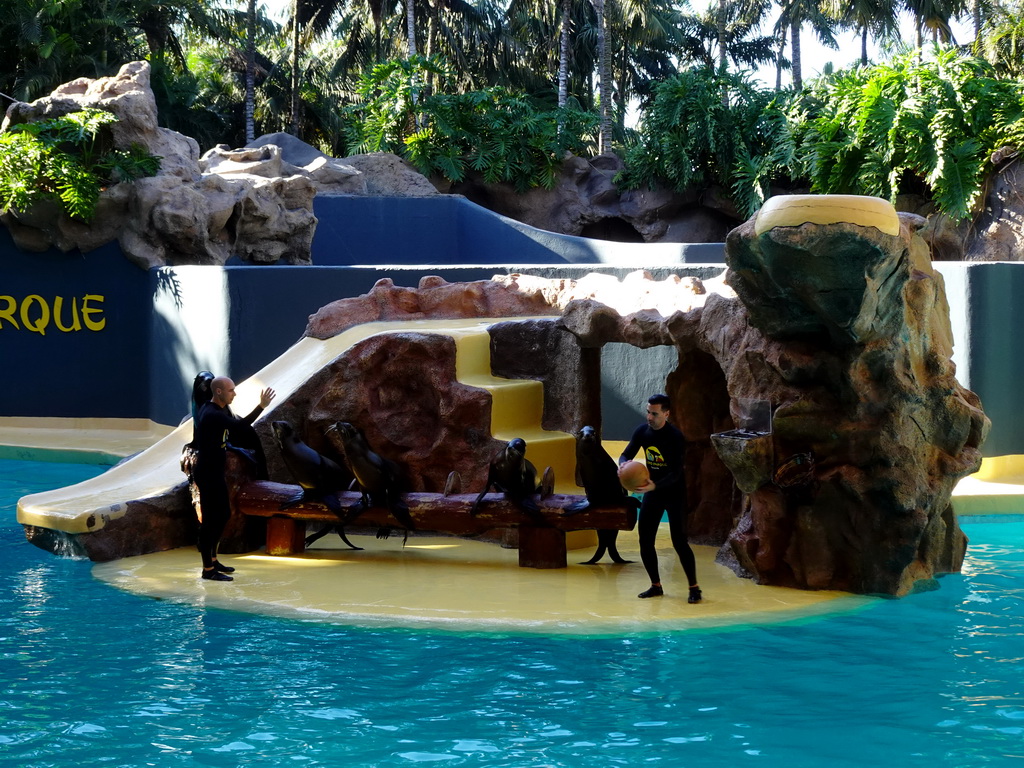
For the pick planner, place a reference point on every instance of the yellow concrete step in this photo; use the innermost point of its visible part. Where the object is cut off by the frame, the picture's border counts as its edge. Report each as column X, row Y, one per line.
column 517, row 408
column 517, row 405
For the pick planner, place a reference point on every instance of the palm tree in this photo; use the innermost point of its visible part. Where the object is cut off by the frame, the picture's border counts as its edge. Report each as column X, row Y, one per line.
column 793, row 16
column 934, row 17
column 722, row 28
column 309, row 19
column 250, row 72
column 563, row 53
column 878, row 18
column 604, row 77
column 701, row 37
column 551, row 46
column 1002, row 40
column 646, row 45
column 410, row 23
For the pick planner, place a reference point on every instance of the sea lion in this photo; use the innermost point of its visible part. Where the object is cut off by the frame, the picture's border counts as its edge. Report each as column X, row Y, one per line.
column 320, row 478
column 512, row 473
column 378, row 478
column 597, row 472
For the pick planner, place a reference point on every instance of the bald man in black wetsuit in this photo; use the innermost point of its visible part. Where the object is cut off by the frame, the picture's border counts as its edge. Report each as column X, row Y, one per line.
column 664, row 447
column 213, row 426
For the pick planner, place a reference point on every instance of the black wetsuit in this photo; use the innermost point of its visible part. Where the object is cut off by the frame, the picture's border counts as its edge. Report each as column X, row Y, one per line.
column 663, row 450
column 213, row 430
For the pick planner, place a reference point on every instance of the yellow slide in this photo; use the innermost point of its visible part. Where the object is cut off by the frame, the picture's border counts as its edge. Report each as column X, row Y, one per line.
column 516, row 412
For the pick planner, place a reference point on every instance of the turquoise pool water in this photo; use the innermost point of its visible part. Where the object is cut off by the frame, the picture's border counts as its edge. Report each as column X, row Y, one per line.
column 92, row 676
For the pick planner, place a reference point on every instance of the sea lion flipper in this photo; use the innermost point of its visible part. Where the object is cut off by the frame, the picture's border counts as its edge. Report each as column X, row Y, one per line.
column 324, row 530
column 344, row 538
column 294, row 499
column 547, row 484
column 453, row 484
column 476, row 504
column 332, row 503
column 358, row 508
column 607, row 538
column 400, row 511
column 577, row 507
column 529, row 504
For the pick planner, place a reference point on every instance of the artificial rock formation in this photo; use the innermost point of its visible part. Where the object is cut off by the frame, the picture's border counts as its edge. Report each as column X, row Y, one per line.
column 254, row 203
column 842, row 329
column 180, row 216
column 849, row 338
column 585, row 201
column 998, row 233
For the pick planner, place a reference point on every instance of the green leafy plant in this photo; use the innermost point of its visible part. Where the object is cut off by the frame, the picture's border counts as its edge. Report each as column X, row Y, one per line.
column 386, row 115
column 877, row 130
column 500, row 133
column 66, row 159
column 706, row 128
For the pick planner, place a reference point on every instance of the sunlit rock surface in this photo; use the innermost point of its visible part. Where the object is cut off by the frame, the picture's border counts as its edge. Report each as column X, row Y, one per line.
column 843, row 330
column 191, row 212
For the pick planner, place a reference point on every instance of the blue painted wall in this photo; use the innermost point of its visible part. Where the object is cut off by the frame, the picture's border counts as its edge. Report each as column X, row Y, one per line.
column 164, row 325
column 447, row 230
column 987, row 314
column 95, row 368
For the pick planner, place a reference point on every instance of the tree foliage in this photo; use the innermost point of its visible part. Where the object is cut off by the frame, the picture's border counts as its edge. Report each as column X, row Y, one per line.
column 924, row 123
column 869, row 131
column 66, row 159
column 689, row 138
column 884, row 130
column 1002, row 45
column 500, row 133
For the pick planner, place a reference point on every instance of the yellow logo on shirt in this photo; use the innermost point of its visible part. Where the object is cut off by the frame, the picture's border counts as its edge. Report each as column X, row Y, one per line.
column 654, row 457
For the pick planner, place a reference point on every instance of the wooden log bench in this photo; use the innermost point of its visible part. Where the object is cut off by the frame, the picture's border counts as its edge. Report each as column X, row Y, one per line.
column 540, row 546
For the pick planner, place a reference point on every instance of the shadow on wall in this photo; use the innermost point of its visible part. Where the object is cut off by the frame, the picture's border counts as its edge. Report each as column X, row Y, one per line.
column 629, row 375
column 700, row 399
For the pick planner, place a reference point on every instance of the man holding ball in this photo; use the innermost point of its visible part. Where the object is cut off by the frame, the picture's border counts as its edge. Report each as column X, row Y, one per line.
column 663, row 492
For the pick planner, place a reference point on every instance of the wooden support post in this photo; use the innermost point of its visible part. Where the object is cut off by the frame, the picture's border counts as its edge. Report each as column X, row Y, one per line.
column 541, row 547
column 285, row 536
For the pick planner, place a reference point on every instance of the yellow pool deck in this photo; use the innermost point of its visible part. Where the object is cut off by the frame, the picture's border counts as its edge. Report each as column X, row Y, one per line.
column 462, row 585
column 470, row 586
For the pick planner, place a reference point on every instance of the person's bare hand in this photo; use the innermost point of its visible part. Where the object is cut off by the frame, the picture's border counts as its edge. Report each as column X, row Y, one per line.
column 266, row 396
column 648, row 486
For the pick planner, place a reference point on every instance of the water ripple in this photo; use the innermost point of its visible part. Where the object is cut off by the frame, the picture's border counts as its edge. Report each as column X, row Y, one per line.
column 90, row 675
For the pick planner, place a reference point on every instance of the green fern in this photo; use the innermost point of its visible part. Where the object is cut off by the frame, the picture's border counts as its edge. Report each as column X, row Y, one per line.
column 66, row 159
column 497, row 132
column 689, row 138
column 867, row 131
